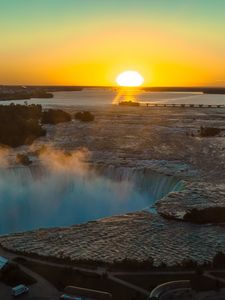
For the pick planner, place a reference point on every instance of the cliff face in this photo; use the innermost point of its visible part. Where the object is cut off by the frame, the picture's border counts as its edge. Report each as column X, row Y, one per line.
column 152, row 183
column 198, row 202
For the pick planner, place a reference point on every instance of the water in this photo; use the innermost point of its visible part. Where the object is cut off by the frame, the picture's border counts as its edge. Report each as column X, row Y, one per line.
column 32, row 197
column 104, row 97
column 154, row 185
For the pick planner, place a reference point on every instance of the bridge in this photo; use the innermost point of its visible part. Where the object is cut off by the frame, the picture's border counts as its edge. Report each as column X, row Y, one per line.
column 180, row 105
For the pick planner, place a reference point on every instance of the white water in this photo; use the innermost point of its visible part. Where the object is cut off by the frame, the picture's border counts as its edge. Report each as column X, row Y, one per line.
column 33, row 197
column 155, row 185
column 104, row 97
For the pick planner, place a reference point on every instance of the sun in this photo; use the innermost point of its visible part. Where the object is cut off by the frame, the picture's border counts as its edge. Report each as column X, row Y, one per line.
column 129, row 78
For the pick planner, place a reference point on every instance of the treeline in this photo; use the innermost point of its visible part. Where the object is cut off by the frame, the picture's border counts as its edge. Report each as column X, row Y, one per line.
column 205, row 90
column 22, row 124
column 84, row 116
column 55, row 116
column 23, row 95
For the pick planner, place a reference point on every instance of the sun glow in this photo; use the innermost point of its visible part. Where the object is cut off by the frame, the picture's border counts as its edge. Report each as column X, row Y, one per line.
column 129, row 78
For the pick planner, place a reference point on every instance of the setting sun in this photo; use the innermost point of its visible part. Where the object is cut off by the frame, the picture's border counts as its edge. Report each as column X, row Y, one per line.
column 130, row 78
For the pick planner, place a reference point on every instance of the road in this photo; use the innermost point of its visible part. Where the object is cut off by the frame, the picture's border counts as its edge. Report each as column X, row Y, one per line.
column 99, row 271
column 45, row 290
column 41, row 290
column 129, row 285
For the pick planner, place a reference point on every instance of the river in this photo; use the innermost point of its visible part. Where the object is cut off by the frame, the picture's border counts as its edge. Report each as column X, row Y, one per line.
column 105, row 97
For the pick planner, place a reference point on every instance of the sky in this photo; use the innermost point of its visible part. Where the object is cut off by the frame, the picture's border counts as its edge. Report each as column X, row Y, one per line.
column 89, row 42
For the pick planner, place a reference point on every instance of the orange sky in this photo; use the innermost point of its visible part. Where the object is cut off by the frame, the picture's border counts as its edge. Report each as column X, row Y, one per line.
column 177, row 44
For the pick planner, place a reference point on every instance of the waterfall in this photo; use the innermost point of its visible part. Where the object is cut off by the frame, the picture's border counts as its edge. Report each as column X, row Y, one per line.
column 33, row 196
column 155, row 185
column 23, row 174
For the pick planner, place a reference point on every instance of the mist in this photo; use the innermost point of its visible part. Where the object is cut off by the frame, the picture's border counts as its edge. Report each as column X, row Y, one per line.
column 63, row 190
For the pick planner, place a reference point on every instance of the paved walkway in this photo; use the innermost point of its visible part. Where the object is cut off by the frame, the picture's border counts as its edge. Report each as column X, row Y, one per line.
column 42, row 289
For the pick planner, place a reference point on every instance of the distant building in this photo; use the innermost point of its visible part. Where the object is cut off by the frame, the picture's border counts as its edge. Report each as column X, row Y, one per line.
column 129, row 103
column 3, row 262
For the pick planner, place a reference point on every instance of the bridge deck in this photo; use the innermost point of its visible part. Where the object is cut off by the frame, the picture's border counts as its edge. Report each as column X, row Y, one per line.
column 184, row 105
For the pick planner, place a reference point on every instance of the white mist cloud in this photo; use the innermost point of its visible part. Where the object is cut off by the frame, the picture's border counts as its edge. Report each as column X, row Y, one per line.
column 67, row 192
column 60, row 161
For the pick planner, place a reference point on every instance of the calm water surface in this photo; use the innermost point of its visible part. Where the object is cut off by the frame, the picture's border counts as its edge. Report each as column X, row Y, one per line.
column 103, row 97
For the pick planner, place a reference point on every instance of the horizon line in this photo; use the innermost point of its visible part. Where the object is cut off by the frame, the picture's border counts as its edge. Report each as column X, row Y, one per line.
column 114, row 86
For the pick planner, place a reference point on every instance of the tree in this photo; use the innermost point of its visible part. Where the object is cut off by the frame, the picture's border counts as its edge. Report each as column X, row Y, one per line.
column 84, row 116
column 55, row 116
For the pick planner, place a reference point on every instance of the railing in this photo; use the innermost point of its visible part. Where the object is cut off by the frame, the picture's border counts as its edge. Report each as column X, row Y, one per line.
column 161, row 289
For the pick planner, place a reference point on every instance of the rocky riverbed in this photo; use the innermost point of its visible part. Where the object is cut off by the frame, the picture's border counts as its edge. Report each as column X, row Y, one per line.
column 162, row 140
